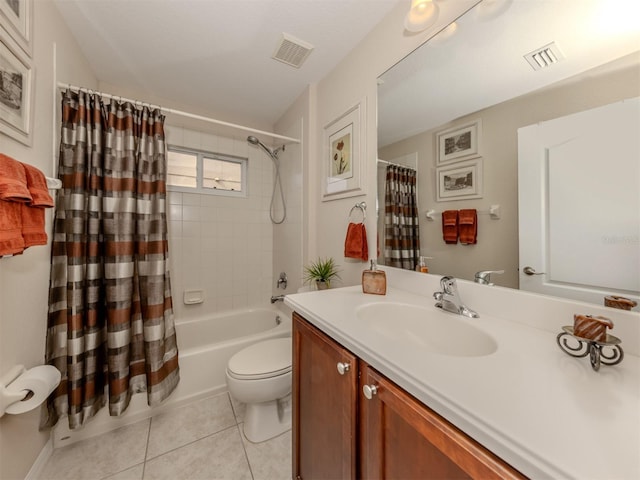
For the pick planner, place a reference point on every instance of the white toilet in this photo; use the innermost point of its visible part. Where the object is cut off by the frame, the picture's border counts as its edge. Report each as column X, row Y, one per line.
column 260, row 376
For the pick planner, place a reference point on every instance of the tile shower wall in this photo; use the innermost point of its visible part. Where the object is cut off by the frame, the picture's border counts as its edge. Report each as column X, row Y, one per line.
column 221, row 245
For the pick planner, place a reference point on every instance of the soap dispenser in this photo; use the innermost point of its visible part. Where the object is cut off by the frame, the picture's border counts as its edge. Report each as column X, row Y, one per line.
column 374, row 281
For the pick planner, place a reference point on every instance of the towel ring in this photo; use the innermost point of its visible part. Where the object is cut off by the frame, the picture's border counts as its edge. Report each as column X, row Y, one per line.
column 363, row 208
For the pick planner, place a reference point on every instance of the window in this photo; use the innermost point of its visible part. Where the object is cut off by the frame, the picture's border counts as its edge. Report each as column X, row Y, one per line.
column 195, row 171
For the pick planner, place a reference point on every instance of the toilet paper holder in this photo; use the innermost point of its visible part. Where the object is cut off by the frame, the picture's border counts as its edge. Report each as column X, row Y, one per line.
column 6, row 397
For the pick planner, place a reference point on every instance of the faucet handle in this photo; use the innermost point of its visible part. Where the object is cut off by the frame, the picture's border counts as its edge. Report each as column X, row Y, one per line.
column 448, row 284
column 484, row 276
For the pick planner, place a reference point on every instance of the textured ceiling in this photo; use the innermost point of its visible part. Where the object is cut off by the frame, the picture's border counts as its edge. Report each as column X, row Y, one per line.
column 216, row 54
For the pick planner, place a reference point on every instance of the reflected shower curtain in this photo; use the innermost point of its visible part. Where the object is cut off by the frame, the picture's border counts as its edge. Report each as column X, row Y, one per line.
column 401, row 229
column 110, row 321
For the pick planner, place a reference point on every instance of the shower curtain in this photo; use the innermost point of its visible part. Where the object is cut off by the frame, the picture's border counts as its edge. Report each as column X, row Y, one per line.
column 401, row 229
column 110, row 322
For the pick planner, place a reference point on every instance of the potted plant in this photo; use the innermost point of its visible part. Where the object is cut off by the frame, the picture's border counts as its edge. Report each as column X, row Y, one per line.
column 321, row 272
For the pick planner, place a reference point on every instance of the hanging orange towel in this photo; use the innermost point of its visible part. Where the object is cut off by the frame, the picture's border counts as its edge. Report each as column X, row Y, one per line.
column 33, row 230
column 468, row 226
column 355, row 244
column 450, row 226
column 13, row 194
column 13, row 180
column 11, row 241
column 37, row 185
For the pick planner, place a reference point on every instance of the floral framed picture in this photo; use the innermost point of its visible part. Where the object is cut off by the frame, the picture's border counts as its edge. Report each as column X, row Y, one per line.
column 16, row 85
column 460, row 181
column 342, row 159
column 16, row 16
column 459, row 142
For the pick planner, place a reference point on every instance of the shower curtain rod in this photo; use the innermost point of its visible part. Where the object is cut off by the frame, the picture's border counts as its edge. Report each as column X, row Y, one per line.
column 385, row 162
column 62, row 85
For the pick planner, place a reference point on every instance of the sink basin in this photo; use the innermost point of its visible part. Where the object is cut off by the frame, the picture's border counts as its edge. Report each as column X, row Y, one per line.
column 420, row 327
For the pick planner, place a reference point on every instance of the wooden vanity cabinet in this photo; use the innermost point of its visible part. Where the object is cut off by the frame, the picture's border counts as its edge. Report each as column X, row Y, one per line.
column 324, row 406
column 339, row 433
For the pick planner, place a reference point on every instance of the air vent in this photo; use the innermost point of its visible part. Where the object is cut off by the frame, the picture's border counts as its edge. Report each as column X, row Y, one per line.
column 292, row 51
column 544, row 57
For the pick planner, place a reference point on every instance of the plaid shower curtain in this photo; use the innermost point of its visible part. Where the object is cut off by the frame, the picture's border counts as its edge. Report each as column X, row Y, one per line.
column 401, row 229
column 110, row 321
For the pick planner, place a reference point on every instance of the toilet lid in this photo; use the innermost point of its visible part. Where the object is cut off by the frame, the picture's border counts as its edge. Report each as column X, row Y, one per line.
column 265, row 359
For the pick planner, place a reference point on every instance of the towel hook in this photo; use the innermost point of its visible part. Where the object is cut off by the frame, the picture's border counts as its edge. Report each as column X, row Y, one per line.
column 363, row 208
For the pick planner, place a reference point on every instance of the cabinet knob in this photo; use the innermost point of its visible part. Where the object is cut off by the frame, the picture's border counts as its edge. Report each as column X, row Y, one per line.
column 343, row 367
column 369, row 391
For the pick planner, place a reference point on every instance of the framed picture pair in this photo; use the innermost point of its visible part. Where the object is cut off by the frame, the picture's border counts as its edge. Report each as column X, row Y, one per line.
column 459, row 164
column 16, row 72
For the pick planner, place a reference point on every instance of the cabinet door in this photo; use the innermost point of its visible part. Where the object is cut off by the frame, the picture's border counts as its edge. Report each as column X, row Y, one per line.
column 402, row 438
column 324, row 406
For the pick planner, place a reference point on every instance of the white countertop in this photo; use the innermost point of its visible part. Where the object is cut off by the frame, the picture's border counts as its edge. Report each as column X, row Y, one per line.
column 547, row 414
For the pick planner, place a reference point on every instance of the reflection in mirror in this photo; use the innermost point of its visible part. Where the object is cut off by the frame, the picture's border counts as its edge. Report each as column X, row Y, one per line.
column 478, row 76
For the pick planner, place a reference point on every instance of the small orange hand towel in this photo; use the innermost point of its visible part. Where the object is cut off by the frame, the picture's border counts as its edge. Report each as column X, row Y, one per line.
column 13, row 180
column 468, row 226
column 450, row 226
column 355, row 244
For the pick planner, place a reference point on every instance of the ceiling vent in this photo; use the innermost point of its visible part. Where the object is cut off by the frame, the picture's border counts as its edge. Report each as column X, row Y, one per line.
column 292, row 51
column 544, row 56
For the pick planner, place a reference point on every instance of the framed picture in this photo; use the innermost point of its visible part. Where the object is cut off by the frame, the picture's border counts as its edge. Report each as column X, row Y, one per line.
column 459, row 142
column 460, row 181
column 16, row 16
column 342, row 159
column 16, row 84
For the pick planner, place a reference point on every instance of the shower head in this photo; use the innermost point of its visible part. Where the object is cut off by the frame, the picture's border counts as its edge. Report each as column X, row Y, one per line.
column 272, row 153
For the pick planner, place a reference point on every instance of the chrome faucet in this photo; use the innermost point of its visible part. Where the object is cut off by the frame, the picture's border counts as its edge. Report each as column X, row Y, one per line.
column 449, row 298
column 277, row 298
column 484, row 277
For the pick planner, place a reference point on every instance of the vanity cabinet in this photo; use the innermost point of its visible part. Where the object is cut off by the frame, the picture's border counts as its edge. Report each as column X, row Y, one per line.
column 361, row 425
column 324, row 405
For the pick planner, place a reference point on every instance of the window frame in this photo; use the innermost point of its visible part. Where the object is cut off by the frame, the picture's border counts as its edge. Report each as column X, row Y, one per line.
column 200, row 156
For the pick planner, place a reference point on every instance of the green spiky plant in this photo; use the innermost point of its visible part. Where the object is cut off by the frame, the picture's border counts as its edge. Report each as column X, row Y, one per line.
column 321, row 271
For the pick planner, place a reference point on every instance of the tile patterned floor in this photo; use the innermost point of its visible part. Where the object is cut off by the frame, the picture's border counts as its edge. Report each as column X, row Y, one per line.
column 201, row 441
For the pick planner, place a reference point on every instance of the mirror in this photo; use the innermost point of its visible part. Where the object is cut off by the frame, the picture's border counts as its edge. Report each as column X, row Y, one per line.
column 473, row 73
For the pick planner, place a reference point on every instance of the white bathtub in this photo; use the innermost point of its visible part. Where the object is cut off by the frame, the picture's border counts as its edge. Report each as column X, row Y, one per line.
column 204, row 348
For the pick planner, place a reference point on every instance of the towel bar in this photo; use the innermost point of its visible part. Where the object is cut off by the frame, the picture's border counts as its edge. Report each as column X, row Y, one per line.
column 53, row 183
column 363, row 208
column 493, row 212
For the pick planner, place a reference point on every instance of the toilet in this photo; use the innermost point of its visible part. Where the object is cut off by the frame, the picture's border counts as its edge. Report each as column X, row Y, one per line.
column 260, row 376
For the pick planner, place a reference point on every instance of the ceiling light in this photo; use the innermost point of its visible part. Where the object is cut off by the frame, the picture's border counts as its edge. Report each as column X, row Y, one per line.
column 422, row 15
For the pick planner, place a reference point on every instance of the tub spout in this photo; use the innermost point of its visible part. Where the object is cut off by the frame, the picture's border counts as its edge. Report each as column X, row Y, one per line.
column 277, row 298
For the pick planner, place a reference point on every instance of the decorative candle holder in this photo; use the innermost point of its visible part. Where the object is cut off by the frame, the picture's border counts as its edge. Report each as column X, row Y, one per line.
column 593, row 348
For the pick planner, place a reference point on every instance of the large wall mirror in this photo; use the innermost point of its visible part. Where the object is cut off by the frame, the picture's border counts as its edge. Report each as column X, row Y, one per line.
column 452, row 111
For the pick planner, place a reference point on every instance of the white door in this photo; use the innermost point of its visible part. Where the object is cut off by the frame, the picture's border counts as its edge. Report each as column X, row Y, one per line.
column 579, row 204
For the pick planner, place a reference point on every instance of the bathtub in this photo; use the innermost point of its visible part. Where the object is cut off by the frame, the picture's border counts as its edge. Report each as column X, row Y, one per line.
column 205, row 346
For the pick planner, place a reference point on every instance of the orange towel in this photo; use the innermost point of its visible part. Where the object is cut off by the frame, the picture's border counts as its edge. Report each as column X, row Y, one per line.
column 355, row 244
column 468, row 226
column 13, row 180
column 11, row 241
column 33, row 230
column 37, row 185
column 23, row 197
column 450, row 226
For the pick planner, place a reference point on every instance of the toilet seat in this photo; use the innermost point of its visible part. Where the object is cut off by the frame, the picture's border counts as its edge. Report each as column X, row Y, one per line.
column 266, row 359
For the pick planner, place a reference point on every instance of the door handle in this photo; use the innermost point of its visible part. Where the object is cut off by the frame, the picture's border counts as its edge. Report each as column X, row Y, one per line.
column 531, row 271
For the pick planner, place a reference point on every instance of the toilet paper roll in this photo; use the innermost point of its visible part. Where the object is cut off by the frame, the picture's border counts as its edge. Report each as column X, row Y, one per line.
column 40, row 380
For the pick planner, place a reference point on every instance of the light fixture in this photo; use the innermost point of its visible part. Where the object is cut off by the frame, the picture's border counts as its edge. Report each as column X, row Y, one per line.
column 422, row 15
